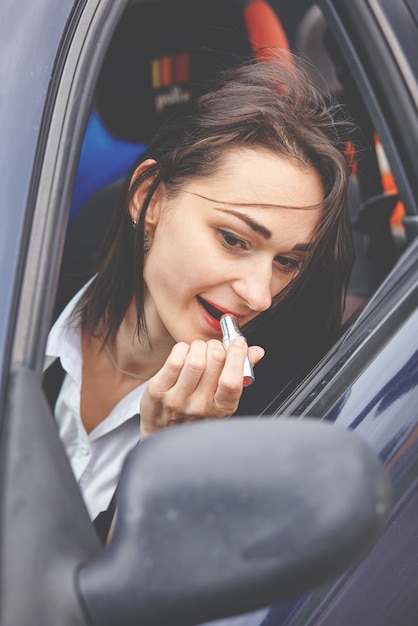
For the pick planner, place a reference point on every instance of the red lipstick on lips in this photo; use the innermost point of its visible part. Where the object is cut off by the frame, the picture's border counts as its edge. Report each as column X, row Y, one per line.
column 211, row 314
column 214, row 312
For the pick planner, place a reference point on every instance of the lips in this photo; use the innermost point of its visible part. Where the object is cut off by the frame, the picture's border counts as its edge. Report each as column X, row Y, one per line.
column 215, row 312
column 211, row 309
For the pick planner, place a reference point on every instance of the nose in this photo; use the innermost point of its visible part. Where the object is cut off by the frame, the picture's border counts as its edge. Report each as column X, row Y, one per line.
column 255, row 287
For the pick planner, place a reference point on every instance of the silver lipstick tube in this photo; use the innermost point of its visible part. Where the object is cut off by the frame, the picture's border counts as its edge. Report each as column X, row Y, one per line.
column 230, row 330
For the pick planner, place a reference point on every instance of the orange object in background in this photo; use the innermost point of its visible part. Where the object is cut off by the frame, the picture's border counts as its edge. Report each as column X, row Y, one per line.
column 265, row 32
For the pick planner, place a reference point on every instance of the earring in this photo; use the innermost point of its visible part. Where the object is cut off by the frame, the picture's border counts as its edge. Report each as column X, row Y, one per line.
column 133, row 224
column 146, row 243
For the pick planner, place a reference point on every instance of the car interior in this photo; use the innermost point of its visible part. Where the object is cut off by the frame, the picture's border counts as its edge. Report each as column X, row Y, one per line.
column 153, row 65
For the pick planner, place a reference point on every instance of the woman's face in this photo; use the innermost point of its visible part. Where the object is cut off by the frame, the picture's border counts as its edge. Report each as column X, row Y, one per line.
column 226, row 244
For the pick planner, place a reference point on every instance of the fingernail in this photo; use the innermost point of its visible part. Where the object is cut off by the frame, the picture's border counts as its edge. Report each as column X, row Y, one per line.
column 239, row 341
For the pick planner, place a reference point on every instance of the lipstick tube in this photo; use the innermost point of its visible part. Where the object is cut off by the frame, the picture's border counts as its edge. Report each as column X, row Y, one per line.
column 230, row 330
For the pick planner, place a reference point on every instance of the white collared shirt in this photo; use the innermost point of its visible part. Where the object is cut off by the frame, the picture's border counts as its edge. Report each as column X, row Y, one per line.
column 96, row 457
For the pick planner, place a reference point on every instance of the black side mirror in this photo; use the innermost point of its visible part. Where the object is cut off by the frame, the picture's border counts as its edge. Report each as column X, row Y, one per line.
column 223, row 517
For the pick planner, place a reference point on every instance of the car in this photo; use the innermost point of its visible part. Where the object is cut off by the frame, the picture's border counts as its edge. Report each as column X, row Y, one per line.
column 217, row 543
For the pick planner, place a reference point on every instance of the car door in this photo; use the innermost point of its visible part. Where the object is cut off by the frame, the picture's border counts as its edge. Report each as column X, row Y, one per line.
column 368, row 382
column 49, row 53
column 55, row 61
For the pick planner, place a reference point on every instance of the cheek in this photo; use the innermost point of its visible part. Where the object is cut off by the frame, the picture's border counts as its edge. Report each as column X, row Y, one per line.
column 158, row 270
column 169, row 267
column 181, row 245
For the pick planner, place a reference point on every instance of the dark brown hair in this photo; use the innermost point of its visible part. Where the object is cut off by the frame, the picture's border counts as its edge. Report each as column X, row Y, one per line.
column 272, row 105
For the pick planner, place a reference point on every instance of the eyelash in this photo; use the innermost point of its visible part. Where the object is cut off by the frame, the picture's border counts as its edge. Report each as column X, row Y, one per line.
column 231, row 242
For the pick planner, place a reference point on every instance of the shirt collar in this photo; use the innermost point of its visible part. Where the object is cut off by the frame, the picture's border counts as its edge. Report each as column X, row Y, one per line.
column 64, row 339
column 64, row 342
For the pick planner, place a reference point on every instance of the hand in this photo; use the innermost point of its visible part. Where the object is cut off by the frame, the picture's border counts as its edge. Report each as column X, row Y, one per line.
column 197, row 381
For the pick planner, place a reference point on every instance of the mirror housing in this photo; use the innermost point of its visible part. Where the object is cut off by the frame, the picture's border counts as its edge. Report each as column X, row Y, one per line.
column 222, row 517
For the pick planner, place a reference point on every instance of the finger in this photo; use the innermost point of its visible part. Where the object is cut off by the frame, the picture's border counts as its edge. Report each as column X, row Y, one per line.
column 255, row 354
column 215, row 361
column 192, row 370
column 168, row 375
column 192, row 397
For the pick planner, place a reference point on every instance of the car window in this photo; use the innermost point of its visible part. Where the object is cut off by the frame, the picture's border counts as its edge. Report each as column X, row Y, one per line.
column 114, row 136
column 376, row 208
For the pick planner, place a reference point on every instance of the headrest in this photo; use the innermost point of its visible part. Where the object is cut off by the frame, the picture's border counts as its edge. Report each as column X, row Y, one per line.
column 164, row 52
column 311, row 43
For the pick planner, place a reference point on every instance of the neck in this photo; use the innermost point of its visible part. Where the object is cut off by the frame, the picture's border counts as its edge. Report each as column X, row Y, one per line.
column 141, row 357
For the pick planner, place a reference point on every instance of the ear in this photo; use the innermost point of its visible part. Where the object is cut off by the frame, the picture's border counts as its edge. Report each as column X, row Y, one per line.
column 137, row 201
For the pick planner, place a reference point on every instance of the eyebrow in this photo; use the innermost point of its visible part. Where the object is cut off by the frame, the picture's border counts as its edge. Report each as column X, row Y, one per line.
column 264, row 232
column 255, row 226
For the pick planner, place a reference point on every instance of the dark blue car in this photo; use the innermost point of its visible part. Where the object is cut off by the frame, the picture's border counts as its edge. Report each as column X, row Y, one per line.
column 344, row 552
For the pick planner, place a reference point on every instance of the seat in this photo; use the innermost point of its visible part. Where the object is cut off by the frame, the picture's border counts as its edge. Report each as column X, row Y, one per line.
column 162, row 53
column 373, row 195
column 166, row 51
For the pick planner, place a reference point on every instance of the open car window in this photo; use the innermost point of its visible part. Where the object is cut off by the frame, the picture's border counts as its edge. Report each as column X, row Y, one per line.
column 170, row 63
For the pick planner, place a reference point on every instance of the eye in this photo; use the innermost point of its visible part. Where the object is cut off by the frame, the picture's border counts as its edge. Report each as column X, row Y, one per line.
column 288, row 264
column 231, row 241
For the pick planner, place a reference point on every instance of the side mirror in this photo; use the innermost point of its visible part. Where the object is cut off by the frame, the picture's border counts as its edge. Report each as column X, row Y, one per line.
column 223, row 517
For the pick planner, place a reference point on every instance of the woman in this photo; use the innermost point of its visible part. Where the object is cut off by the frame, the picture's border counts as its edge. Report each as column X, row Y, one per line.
column 238, row 206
